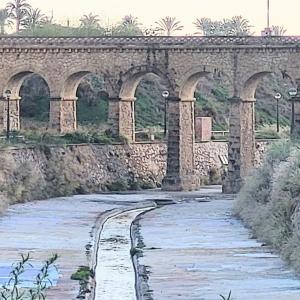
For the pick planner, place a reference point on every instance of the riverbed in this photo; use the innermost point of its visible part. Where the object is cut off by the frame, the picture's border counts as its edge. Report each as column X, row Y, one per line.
column 196, row 249
column 192, row 247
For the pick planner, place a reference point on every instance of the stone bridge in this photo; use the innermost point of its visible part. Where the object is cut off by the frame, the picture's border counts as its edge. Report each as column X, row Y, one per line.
column 240, row 62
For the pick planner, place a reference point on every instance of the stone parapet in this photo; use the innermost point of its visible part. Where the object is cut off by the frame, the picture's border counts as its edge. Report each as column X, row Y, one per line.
column 120, row 43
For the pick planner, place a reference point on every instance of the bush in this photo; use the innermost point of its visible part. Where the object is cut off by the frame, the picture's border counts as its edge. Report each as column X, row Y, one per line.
column 269, row 201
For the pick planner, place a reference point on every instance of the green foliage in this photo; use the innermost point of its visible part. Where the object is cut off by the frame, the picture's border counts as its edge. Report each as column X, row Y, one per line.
column 92, row 114
column 168, row 25
column 94, row 137
column 270, row 200
column 236, row 26
column 83, row 273
column 12, row 291
column 4, row 20
column 149, row 106
column 61, row 30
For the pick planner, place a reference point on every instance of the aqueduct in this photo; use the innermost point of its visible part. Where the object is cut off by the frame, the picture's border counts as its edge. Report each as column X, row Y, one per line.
column 179, row 61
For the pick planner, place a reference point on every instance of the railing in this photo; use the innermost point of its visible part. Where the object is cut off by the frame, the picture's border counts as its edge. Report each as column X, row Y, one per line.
column 219, row 135
column 216, row 135
column 149, row 135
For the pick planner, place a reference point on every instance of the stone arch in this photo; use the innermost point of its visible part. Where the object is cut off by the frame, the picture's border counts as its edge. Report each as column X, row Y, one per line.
column 249, row 87
column 17, row 77
column 188, row 84
column 250, row 83
column 71, row 84
column 130, row 80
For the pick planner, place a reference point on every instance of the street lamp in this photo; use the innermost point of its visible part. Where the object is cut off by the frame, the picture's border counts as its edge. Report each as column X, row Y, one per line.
column 165, row 94
column 7, row 95
column 277, row 96
column 292, row 93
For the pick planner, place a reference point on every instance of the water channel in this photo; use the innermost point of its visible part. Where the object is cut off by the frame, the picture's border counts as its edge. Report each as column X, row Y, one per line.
column 193, row 249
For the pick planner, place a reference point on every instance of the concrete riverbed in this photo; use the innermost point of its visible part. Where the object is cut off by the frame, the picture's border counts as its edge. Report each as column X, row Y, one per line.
column 193, row 249
column 196, row 250
column 65, row 226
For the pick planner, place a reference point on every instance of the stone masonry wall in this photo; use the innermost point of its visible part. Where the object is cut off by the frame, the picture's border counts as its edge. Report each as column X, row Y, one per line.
column 94, row 167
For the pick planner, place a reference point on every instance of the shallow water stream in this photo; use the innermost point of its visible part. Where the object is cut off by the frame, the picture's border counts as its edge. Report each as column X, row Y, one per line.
column 197, row 250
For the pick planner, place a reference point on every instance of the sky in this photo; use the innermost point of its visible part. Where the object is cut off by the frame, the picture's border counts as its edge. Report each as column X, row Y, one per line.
column 282, row 12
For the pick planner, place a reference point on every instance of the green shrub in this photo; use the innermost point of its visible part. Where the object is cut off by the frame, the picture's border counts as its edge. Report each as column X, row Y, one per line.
column 83, row 273
column 269, row 201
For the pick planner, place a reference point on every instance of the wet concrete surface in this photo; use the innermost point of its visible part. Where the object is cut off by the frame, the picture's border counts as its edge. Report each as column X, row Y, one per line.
column 115, row 274
column 197, row 250
column 63, row 226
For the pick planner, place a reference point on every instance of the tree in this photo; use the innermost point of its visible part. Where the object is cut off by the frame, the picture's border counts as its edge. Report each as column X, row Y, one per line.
column 34, row 18
column 168, row 25
column 89, row 21
column 236, row 26
column 89, row 25
column 278, row 30
column 130, row 20
column 18, row 10
column 128, row 26
column 4, row 20
column 208, row 27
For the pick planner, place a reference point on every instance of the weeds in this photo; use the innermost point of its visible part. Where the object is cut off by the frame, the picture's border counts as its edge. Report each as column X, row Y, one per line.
column 83, row 275
column 226, row 298
column 12, row 291
column 269, row 202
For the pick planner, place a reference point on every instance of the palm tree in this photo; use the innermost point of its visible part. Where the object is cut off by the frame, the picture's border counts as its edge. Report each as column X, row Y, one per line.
column 238, row 26
column 168, row 25
column 4, row 20
column 204, row 25
column 89, row 21
column 18, row 10
column 130, row 20
column 278, row 30
column 34, row 18
column 129, row 26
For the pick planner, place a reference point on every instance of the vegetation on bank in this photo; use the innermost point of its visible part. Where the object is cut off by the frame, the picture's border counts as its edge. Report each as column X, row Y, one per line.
column 12, row 290
column 269, row 202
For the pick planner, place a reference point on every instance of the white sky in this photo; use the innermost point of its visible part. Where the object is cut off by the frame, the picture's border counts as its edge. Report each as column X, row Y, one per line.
column 283, row 12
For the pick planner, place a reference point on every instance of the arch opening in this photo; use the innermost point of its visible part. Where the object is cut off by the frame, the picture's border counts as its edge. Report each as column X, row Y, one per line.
column 211, row 89
column 144, row 86
column 87, row 89
column 34, row 103
column 30, row 98
column 272, row 116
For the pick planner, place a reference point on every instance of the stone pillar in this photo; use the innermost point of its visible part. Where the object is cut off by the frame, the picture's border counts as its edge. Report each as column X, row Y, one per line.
column 113, row 115
column 14, row 114
column 295, row 126
column 121, row 117
column 180, row 161
column 2, row 110
column 241, row 143
column 63, row 115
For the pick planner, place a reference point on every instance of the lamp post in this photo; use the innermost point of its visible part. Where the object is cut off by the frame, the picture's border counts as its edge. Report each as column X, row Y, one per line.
column 292, row 93
column 277, row 96
column 165, row 94
column 7, row 95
